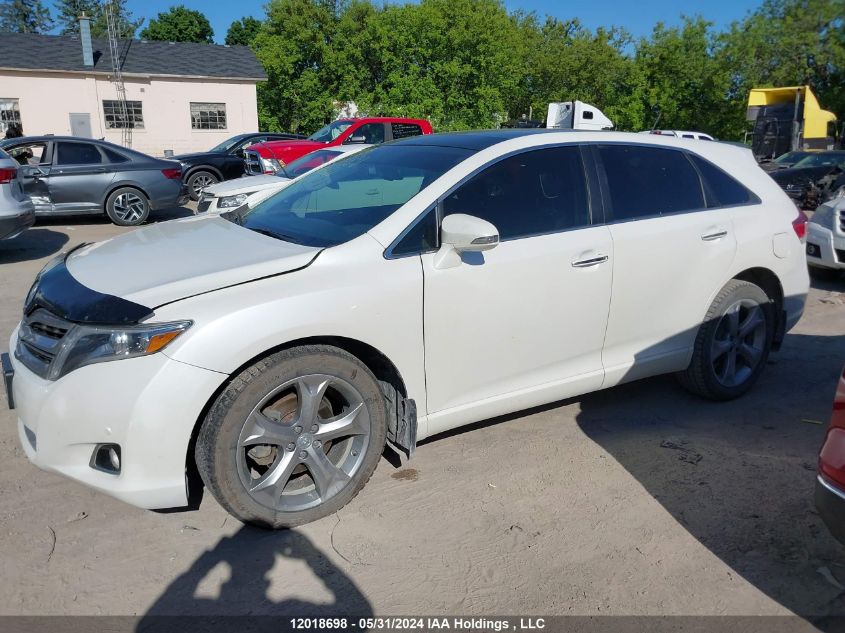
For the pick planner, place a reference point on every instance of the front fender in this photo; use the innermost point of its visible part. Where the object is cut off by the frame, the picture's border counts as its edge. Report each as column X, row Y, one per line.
column 333, row 297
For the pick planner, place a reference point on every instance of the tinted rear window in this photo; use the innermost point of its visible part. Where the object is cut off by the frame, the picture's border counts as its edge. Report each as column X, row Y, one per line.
column 404, row 130
column 722, row 190
column 648, row 181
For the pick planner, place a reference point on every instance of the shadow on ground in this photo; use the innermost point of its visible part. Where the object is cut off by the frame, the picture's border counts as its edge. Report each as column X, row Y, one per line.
column 739, row 475
column 32, row 244
column 251, row 560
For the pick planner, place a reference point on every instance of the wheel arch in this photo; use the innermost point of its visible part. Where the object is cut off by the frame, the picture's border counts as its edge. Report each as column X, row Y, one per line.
column 125, row 185
column 204, row 167
column 375, row 360
column 769, row 283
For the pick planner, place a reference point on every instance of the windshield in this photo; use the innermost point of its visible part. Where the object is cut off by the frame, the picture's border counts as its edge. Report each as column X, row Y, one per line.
column 330, row 132
column 789, row 157
column 226, row 145
column 827, row 159
column 307, row 163
column 347, row 198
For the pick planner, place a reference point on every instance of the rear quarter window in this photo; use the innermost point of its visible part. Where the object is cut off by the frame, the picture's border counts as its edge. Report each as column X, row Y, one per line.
column 721, row 189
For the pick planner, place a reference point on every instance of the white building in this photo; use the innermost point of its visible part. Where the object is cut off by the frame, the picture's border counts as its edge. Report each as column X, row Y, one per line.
column 181, row 96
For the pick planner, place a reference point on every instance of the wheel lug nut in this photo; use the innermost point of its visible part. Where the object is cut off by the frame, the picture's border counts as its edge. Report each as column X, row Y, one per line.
column 302, row 454
column 314, row 428
column 297, row 429
column 291, row 446
column 317, row 443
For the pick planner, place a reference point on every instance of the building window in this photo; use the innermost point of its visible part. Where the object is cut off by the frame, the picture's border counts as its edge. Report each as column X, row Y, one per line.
column 208, row 116
column 115, row 118
column 9, row 113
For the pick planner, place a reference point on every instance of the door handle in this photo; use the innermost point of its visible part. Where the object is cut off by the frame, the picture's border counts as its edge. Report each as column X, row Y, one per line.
column 715, row 235
column 592, row 261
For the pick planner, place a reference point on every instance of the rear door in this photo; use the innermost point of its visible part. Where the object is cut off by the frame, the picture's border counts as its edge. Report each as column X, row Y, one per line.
column 671, row 254
column 80, row 177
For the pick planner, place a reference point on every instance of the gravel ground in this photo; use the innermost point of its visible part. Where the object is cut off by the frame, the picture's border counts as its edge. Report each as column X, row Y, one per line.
column 639, row 500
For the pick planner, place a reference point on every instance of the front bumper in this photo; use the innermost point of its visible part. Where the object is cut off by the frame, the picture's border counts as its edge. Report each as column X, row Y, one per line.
column 825, row 248
column 148, row 406
column 12, row 226
column 830, row 503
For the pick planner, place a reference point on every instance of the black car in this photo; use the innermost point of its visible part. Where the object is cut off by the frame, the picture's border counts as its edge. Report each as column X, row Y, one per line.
column 66, row 175
column 784, row 161
column 224, row 161
column 813, row 179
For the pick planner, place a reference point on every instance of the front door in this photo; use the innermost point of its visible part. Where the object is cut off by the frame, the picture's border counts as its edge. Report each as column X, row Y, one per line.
column 80, row 178
column 34, row 159
column 523, row 323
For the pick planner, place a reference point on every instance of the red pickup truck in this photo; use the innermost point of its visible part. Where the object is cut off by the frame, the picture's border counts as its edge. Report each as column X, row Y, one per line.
column 269, row 157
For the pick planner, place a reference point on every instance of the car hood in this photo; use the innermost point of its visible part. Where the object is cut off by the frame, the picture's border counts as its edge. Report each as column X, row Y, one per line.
column 172, row 260
column 797, row 175
column 248, row 184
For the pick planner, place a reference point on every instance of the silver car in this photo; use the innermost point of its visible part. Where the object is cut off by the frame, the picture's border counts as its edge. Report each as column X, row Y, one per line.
column 66, row 175
column 17, row 213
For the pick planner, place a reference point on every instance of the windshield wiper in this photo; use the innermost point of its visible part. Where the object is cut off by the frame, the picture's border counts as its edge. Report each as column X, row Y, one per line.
column 279, row 236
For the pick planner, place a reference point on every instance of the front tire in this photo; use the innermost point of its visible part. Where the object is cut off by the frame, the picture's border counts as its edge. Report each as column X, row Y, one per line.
column 127, row 207
column 294, row 437
column 198, row 181
column 732, row 344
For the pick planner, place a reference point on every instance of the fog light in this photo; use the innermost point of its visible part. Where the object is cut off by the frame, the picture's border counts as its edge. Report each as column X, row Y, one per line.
column 106, row 457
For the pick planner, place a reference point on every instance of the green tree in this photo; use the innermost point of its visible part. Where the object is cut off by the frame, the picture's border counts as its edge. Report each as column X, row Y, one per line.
column 125, row 24
column 68, row 12
column 293, row 47
column 242, row 32
column 686, row 83
column 179, row 24
column 24, row 16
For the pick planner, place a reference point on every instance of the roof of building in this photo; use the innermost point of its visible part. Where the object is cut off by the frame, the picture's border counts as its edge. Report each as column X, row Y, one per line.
column 31, row 52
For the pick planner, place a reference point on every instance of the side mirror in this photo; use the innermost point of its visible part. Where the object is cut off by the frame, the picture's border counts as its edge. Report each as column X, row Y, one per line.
column 355, row 140
column 461, row 233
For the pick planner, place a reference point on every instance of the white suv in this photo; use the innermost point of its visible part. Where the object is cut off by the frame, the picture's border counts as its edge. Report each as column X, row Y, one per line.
column 410, row 289
column 826, row 239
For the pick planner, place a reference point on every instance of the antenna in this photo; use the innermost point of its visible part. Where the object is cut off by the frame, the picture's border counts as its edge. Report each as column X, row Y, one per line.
column 112, row 11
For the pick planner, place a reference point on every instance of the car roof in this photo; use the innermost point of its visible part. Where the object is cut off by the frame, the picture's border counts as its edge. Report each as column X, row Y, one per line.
column 476, row 140
column 382, row 119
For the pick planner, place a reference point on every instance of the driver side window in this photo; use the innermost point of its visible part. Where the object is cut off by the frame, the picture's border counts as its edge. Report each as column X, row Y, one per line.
column 532, row 193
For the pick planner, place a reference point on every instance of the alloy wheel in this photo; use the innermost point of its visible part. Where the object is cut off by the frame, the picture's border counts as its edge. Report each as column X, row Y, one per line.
column 739, row 342
column 129, row 208
column 201, row 181
column 303, row 442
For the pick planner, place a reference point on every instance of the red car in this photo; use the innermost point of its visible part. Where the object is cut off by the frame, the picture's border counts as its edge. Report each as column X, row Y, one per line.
column 269, row 157
column 830, row 483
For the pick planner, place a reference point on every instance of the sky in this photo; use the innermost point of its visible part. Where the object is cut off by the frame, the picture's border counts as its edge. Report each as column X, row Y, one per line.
column 639, row 17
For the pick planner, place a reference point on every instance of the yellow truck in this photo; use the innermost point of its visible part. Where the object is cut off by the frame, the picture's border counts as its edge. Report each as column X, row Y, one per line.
column 788, row 119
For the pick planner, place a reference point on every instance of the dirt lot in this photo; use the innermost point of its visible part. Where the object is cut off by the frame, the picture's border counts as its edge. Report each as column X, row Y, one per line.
column 640, row 500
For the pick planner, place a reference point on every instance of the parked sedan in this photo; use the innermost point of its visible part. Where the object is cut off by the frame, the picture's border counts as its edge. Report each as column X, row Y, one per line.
column 225, row 196
column 830, row 482
column 17, row 213
column 224, row 161
column 66, row 175
column 786, row 160
column 410, row 289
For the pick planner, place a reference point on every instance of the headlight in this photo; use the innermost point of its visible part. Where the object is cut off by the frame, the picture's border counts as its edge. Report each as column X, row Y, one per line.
column 230, row 202
column 271, row 165
column 86, row 345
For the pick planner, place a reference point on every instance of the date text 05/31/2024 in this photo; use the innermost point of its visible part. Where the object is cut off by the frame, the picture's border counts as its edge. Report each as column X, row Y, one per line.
column 475, row 625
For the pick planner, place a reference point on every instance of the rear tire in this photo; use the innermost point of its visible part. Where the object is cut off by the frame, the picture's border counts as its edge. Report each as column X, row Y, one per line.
column 198, row 180
column 732, row 344
column 294, row 437
column 127, row 207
